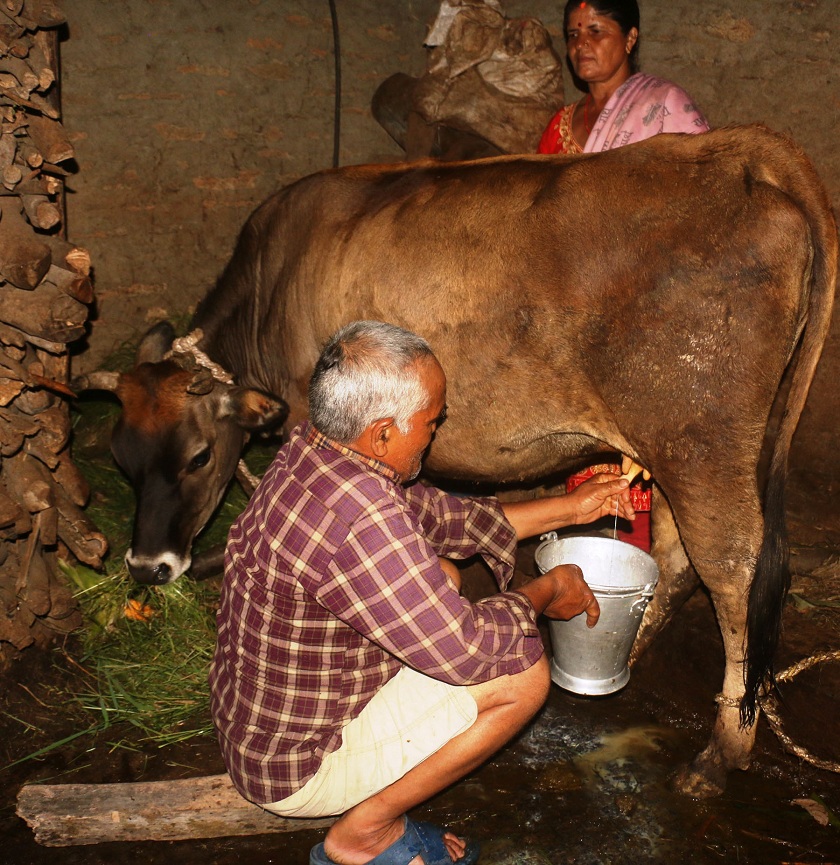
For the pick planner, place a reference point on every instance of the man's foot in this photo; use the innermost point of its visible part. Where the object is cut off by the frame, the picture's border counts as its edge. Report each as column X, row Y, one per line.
column 420, row 844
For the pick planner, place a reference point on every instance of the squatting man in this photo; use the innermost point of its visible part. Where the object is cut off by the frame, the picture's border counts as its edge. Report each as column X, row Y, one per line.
column 350, row 676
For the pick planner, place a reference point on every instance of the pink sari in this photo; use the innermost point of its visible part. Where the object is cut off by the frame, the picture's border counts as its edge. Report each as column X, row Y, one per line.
column 643, row 107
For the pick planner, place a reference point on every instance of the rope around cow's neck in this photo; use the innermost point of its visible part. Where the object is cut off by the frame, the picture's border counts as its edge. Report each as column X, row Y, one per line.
column 189, row 345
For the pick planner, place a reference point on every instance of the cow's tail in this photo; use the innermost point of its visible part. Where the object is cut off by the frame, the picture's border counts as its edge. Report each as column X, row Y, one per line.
column 795, row 177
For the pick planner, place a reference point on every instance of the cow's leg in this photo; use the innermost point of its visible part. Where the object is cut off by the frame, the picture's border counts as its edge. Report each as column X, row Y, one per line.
column 725, row 560
column 731, row 744
column 677, row 578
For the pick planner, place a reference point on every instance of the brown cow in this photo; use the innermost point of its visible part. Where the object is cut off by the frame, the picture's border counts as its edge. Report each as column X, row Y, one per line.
column 646, row 300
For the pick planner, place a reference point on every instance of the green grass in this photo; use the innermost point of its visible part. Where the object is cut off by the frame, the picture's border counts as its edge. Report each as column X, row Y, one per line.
column 150, row 672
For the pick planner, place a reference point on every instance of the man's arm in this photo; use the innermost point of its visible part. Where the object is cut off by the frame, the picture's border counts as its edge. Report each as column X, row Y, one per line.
column 602, row 495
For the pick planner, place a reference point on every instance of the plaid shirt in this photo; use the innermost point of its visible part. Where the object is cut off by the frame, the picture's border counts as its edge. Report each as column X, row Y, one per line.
column 332, row 584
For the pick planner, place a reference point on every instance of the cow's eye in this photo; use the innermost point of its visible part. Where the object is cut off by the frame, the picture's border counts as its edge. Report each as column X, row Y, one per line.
column 199, row 460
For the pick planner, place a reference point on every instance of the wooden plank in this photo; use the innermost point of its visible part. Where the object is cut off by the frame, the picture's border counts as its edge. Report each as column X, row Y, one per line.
column 64, row 815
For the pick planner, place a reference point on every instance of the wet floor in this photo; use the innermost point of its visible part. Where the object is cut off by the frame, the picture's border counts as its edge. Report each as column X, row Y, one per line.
column 589, row 781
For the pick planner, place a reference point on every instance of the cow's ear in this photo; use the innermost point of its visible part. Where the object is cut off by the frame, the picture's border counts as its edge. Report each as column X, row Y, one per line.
column 254, row 409
column 155, row 343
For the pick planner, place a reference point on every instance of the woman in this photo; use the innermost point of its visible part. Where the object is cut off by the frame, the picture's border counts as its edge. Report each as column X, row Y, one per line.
column 622, row 105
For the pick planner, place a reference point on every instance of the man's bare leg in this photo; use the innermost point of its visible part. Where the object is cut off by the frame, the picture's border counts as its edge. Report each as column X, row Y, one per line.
column 505, row 705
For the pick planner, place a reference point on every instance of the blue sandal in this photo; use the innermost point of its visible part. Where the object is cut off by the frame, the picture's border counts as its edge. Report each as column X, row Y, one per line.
column 420, row 839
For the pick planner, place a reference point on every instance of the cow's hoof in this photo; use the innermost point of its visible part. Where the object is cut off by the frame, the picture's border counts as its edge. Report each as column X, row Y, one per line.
column 701, row 779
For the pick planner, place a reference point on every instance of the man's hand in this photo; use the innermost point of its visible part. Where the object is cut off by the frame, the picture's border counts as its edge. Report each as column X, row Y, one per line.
column 602, row 495
column 562, row 593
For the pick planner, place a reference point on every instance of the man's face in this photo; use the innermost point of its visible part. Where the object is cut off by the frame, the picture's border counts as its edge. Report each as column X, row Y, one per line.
column 406, row 450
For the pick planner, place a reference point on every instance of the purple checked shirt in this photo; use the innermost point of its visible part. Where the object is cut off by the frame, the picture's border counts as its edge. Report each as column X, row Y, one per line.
column 332, row 584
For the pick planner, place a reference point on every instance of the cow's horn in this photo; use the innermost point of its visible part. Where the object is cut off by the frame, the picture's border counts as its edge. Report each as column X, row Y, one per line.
column 99, row 380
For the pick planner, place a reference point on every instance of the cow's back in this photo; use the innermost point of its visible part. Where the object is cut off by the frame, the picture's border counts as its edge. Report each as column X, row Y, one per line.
column 628, row 279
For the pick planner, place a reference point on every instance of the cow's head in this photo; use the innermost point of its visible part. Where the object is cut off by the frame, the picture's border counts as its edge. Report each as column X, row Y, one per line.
column 179, row 439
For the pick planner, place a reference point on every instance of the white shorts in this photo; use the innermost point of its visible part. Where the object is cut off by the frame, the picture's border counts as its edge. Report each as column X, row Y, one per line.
column 407, row 721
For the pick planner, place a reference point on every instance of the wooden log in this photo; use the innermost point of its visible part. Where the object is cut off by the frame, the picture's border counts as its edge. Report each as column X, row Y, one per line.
column 13, row 430
column 45, row 312
column 34, row 448
column 78, row 531
column 12, row 175
column 30, row 157
column 68, row 255
column 9, row 389
column 12, row 120
column 24, row 259
column 40, row 211
column 35, row 592
column 12, row 343
column 75, row 814
column 77, row 285
column 11, row 7
column 45, row 13
column 37, row 103
column 8, row 147
column 64, row 615
column 22, row 73
column 10, row 510
column 13, row 336
column 43, row 184
column 19, row 421
column 55, row 428
column 10, row 33
column 39, row 63
column 11, row 441
column 57, row 370
column 48, row 527
column 68, row 620
column 14, row 369
column 18, row 629
column 38, row 495
column 50, row 139
column 71, row 480
column 33, row 402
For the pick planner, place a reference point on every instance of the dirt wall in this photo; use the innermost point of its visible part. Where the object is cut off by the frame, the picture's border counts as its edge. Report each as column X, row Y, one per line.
column 187, row 113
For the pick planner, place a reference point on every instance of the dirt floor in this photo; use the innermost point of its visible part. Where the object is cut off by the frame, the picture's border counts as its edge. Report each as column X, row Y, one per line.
column 588, row 782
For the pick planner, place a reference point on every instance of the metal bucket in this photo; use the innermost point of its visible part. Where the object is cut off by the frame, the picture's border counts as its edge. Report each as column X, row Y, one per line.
column 622, row 577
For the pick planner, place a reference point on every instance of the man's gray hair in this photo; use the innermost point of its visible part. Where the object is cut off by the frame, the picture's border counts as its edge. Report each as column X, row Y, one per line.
column 367, row 371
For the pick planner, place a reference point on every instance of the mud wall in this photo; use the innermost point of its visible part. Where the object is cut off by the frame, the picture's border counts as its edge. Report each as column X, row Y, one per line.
column 186, row 113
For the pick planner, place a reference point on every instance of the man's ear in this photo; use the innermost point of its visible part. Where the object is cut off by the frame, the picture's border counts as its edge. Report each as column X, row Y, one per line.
column 380, row 436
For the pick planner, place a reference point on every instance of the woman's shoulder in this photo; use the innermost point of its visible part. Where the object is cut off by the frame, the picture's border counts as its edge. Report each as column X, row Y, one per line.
column 646, row 81
column 655, row 85
column 679, row 111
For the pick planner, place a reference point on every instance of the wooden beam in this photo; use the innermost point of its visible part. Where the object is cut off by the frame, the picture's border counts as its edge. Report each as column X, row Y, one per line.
column 64, row 815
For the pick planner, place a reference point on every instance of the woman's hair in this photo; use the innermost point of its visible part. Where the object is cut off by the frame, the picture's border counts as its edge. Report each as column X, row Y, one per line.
column 367, row 371
column 624, row 12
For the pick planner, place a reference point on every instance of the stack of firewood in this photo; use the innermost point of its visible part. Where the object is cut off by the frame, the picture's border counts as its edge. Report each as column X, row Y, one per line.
column 45, row 290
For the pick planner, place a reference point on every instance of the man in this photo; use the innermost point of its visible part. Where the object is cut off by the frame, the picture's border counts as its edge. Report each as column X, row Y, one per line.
column 350, row 676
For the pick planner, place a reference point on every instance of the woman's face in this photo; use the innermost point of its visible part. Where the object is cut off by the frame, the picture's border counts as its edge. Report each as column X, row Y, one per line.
column 597, row 49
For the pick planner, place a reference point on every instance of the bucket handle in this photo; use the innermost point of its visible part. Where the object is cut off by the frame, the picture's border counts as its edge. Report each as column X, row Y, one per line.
column 647, row 593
